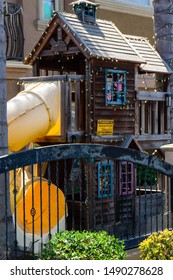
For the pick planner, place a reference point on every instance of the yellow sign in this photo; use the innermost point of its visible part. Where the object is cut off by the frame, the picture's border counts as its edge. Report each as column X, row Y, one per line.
column 105, row 127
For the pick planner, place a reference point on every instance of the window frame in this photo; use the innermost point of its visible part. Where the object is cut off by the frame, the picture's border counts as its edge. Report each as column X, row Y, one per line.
column 120, row 93
column 127, row 191
column 102, row 187
column 53, row 2
column 41, row 22
column 137, row 3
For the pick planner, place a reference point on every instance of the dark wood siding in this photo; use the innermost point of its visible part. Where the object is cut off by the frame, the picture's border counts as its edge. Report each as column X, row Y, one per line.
column 123, row 116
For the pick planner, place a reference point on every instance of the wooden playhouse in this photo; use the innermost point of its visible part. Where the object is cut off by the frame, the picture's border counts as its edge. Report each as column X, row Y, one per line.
column 113, row 91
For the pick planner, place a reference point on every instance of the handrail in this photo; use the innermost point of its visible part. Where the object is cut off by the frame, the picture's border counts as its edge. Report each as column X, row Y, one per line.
column 70, row 151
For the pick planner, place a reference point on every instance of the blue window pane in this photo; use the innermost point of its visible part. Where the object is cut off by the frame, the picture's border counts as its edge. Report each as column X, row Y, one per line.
column 49, row 7
column 115, row 87
column 140, row 2
column 105, row 179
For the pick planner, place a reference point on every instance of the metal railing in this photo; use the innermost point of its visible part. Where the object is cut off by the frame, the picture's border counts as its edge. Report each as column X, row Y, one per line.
column 13, row 25
column 80, row 186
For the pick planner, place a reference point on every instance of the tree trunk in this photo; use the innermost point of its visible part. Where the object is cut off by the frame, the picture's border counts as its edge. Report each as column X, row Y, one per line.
column 163, row 26
column 5, row 216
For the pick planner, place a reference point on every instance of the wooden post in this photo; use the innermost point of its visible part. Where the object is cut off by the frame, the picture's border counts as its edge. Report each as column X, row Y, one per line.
column 155, row 116
column 162, row 118
column 35, row 69
column 87, row 100
column 149, row 118
column 143, row 127
column 137, row 111
column 163, row 19
column 77, row 107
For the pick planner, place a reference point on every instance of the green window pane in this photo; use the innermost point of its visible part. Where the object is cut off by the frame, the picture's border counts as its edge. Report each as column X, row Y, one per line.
column 49, row 7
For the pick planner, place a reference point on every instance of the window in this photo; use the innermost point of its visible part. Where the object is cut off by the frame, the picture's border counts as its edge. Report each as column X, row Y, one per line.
column 140, row 2
column 115, row 87
column 126, row 178
column 49, row 7
column 85, row 13
column 105, row 179
column 105, row 176
column 45, row 11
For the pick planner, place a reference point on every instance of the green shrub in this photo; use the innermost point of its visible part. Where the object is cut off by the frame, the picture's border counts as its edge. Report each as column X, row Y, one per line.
column 158, row 246
column 76, row 245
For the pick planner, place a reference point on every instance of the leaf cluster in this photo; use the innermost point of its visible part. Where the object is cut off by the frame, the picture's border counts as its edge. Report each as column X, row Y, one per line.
column 158, row 246
column 85, row 245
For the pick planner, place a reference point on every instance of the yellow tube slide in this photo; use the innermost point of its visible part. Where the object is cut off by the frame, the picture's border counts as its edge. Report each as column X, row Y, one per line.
column 33, row 113
column 40, row 208
column 32, row 217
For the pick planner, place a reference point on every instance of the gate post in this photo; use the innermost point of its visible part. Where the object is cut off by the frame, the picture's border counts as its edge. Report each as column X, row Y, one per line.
column 171, row 198
column 168, row 149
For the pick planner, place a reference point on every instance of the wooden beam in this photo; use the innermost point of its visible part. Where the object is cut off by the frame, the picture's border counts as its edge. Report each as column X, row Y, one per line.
column 59, row 34
column 53, row 78
column 67, row 40
column 151, row 95
column 153, row 142
column 116, row 138
column 76, row 40
column 43, row 41
column 59, row 47
column 152, row 137
column 168, row 119
column 149, row 118
column 137, row 108
column 162, row 119
column 143, row 127
column 52, row 41
column 52, row 52
column 51, row 139
column 156, row 117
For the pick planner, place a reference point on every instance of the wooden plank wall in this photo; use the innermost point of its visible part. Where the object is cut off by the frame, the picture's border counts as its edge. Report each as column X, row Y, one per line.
column 123, row 116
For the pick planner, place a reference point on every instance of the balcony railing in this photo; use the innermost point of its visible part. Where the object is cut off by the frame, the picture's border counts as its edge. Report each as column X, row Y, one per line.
column 153, row 116
column 13, row 25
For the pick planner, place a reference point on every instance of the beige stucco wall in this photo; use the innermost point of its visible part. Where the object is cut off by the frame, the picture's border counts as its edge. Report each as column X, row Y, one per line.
column 31, row 33
column 130, row 24
column 14, row 71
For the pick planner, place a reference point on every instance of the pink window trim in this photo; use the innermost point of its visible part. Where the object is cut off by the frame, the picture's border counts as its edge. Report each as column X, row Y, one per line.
column 126, row 182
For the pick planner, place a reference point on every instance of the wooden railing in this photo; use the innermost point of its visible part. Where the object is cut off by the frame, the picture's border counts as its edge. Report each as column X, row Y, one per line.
column 152, row 115
column 72, row 106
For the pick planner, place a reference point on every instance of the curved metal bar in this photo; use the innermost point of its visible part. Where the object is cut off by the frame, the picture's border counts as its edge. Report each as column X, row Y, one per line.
column 69, row 151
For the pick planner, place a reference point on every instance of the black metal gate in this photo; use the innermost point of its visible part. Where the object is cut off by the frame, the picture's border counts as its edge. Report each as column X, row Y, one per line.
column 81, row 186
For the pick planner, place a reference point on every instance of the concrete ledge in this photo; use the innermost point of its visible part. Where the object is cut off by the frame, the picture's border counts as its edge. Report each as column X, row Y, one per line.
column 133, row 254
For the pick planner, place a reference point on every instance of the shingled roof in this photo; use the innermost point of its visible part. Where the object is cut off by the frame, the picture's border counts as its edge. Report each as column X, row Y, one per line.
column 102, row 40
column 154, row 62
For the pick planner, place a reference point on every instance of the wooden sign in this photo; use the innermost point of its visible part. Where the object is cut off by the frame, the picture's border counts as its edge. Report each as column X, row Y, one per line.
column 105, row 127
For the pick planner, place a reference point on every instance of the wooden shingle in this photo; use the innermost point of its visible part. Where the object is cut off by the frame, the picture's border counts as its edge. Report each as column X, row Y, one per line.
column 154, row 62
column 101, row 40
